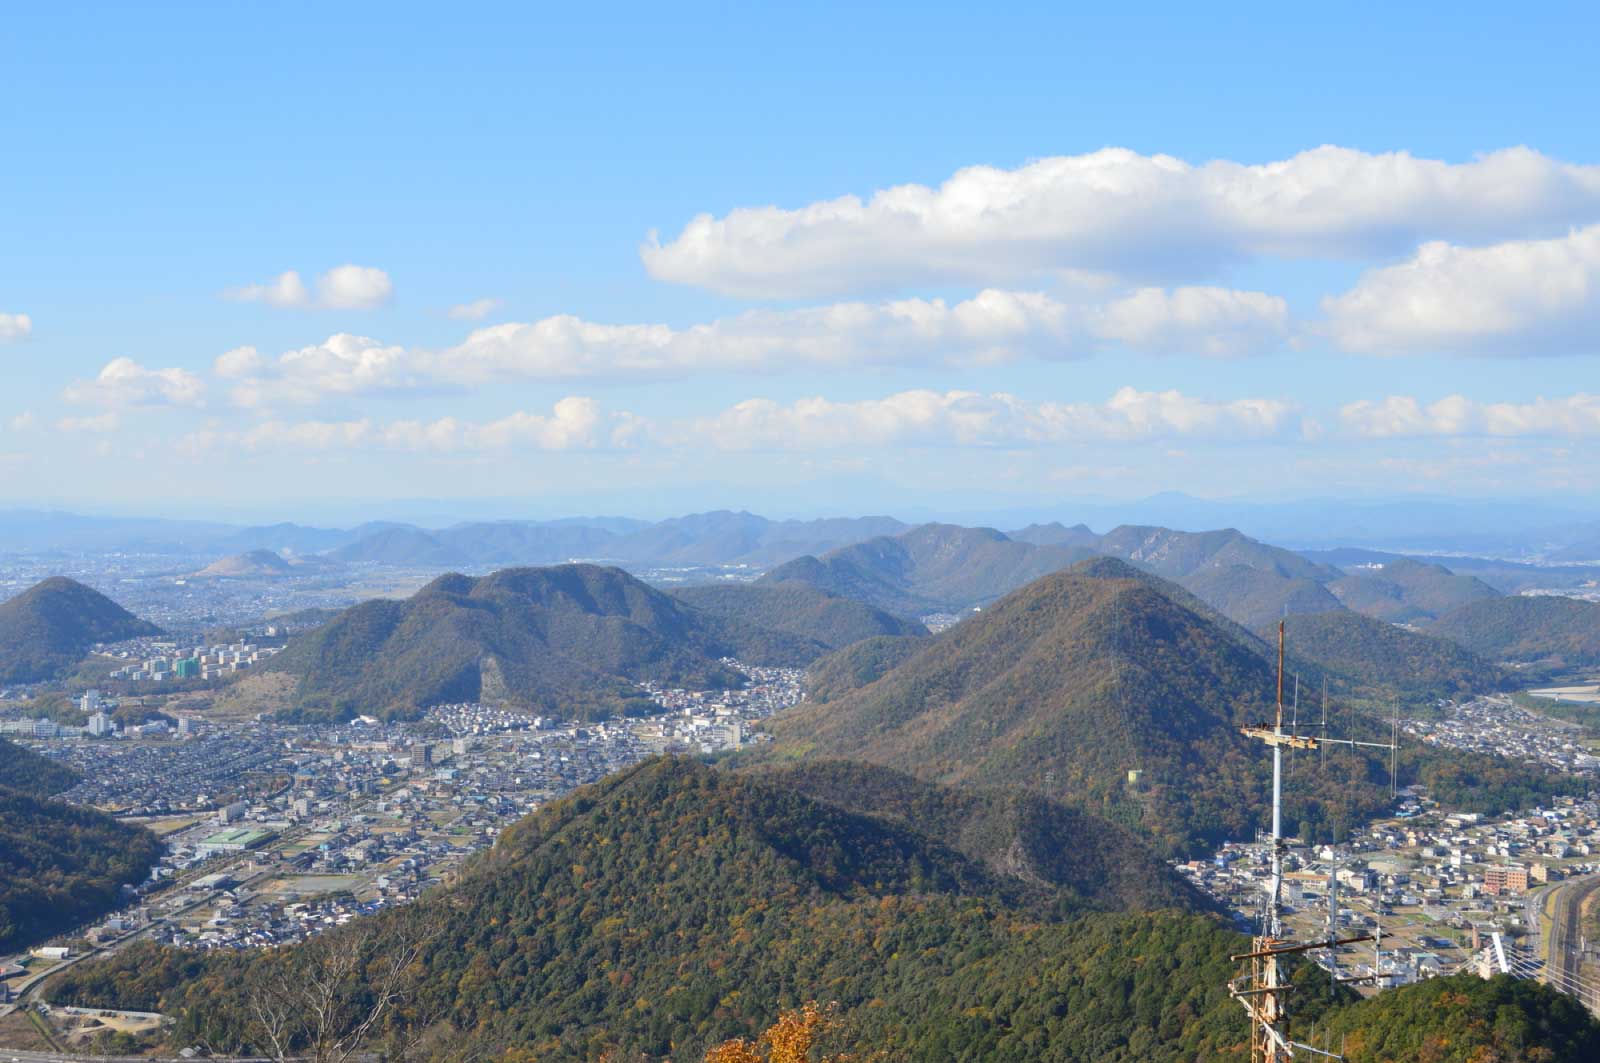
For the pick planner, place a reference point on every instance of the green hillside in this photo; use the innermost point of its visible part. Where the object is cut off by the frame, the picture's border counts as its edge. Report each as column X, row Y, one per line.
column 569, row 641
column 59, row 865
column 1562, row 632
column 1406, row 591
column 27, row 772
column 1375, row 657
column 672, row 906
column 1064, row 687
column 1254, row 596
column 1012, row 832
column 929, row 568
column 1067, row 685
column 798, row 609
column 48, row 628
column 855, row 666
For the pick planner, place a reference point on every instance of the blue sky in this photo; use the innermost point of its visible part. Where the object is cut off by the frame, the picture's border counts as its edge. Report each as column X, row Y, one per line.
column 1207, row 326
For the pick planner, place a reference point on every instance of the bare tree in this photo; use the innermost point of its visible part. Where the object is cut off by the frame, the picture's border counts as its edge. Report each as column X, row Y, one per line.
column 325, row 1000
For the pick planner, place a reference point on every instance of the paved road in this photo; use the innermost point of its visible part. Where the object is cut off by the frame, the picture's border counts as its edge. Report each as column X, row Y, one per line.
column 1561, row 956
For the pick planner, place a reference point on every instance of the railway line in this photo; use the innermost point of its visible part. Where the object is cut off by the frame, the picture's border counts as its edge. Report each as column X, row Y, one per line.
column 1563, row 955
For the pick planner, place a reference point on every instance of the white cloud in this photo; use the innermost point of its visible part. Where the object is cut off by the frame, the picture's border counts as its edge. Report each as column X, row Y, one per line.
column 971, row 419
column 573, row 423
column 100, row 423
column 1217, row 322
column 347, row 287
column 343, row 364
column 23, row 421
column 993, row 326
column 354, row 288
column 124, row 382
column 15, row 327
column 1133, row 215
column 240, row 362
column 476, row 310
column 1525, row 297
column 1401, row 415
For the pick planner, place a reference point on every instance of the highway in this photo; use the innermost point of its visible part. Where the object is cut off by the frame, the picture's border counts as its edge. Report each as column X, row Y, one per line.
column 1562, row 950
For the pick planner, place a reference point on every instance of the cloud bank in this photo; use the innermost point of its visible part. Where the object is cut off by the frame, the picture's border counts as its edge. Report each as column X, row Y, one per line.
column 1524, row 297
column 1145, row 217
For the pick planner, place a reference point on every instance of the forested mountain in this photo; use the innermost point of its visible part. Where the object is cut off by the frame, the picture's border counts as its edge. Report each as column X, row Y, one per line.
column 27, row 772
column 1063, row 688
column 1254, row 596
column 1375, row 657
column 49, row 627
column 1563, row 632
column 798, row 609
column 929, row 568
column 572, row 640
column 855, row 666
column 59, row 865
column 1067, row 685
column 1012, row 832
column 943, row 567
column 1406, row 591
column 673, row 906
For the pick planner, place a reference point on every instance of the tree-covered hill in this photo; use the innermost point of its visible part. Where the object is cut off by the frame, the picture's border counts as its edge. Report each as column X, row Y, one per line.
column 1375, row 657
column 929, row 568
column 1407, row 591
column 798, row 609
column 25, row 771
column 572, row 640
column 59, row 865
column 1563, row 632
column 673, row 906
column 1066, row 686
column 49, row 627
column 855, row 666
column 1012, row 832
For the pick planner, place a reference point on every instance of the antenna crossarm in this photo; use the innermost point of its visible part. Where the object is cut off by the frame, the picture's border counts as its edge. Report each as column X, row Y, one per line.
column 1282, row 950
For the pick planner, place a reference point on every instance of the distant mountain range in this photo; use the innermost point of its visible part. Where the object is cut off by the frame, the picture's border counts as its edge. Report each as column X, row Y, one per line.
column 1415, row 527
column 47, row 629
column 571, row 640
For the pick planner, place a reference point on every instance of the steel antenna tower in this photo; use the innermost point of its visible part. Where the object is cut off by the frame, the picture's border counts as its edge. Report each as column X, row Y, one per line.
column 1263, row 990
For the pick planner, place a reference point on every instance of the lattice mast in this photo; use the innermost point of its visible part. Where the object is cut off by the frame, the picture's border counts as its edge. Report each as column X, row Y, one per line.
column 1263, row 990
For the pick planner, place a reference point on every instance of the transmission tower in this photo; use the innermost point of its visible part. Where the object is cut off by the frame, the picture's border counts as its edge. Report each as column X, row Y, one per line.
column 1262, row 989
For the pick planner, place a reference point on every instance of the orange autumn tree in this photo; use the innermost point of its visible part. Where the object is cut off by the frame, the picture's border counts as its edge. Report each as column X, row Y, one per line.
column 789, row 1040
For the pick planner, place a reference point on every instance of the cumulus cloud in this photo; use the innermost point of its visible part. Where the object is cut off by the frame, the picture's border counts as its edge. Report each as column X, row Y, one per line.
column 98, row 424
column 1116, row 211
column 343, row 364
column 972, row 419
column 1402, row 415
column 1524, row 297
column 23, row 421
column 993, row 326
column 476, row 310
column 125, row 383
column 573, row 423
column 15, row 327
column 346, row 287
